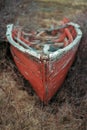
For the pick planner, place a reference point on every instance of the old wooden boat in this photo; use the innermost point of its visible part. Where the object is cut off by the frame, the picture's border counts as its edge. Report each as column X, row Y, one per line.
column 44, row 57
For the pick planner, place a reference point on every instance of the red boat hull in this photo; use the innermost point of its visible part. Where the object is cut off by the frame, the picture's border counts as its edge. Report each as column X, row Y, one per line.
column 46, row 66
column 45, row 76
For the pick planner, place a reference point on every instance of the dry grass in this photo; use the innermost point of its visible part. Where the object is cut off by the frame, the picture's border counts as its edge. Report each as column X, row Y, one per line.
column 20, row 108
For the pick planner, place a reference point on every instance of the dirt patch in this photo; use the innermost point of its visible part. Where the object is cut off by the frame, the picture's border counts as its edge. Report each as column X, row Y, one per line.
column 20, row 108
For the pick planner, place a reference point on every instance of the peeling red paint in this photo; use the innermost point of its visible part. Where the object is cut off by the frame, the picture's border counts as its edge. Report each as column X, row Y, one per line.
column 45, row 76
column 46, row 71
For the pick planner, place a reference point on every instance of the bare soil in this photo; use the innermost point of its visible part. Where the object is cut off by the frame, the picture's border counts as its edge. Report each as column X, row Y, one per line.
column 20, row 107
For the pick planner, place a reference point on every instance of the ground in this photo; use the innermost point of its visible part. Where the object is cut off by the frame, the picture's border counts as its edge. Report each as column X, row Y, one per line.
column 20, row 107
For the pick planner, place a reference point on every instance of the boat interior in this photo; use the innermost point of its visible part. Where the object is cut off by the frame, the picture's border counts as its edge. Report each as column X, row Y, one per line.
column 46, row 39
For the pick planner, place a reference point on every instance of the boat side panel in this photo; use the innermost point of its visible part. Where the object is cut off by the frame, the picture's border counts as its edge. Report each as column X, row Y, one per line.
column 57, row 71
column 31, row 70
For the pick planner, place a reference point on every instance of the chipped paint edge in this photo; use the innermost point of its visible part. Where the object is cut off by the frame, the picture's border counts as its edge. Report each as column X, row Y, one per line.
column 70, row 46
column 52, row 55
column 29, row 51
